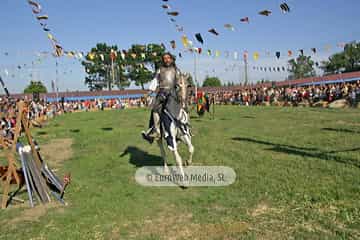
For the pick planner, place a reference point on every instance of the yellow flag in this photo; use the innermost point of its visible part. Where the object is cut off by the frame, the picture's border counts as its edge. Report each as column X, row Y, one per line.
column 256, row 56
column 91, row 56
column 185, row 41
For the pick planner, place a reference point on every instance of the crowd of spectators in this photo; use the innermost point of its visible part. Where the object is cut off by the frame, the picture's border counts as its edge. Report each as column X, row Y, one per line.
column 290, row 95
column 39, row 111
column 281, row 96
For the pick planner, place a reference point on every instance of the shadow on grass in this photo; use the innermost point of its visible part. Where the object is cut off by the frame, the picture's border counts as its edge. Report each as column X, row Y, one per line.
column 41, row 133
column 271, row 144
column 140, row 158
column 74, row 130
column 249, row 117
column 107, row 129
column 344, row 130
column 305, row 152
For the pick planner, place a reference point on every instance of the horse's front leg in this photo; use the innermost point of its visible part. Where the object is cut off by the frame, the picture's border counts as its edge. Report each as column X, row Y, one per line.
column 191, row 149
column 183, row 181
column 163, row 156
column 180, row 165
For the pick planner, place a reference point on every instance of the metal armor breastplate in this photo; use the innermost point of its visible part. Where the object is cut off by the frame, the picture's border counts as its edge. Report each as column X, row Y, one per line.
column 167, row 77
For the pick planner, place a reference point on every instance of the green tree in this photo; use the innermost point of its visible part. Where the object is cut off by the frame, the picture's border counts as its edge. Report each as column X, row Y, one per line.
column 140, row 75
column 101, row 71
column 35, row 87
column 301, row 67
column 212, row 82
column 142, row 61
column 137, row 64
column 154, row 53
column 346, row 61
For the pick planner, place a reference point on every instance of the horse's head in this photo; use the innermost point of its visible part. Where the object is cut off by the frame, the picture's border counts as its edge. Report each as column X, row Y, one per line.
column 184, row 77
column 183, row 83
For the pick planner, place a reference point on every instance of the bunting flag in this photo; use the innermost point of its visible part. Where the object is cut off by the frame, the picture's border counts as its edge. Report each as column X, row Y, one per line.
column 122, row 55
column 236, row 55
column 43, row 17
column 36, row 8
column 91, row 56
column 199, row 38
column 173, row 44
column 256, row 56
column 213, row 31
column 246, row 55
column 265, row 13
column 113, row 54
column 173, row 13
column 229, row 27
column 284, row 8
column 185, row 41
column 245, row 20
column 278, row 55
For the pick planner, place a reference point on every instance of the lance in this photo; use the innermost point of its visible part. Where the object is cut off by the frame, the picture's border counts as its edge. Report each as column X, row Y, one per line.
column 5, row 88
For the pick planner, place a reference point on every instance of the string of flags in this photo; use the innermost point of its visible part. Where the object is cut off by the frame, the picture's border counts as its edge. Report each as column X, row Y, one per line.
column 284, row 7
column 42, row 18
column 189, row 46
column 256, row 55
column 186, row 42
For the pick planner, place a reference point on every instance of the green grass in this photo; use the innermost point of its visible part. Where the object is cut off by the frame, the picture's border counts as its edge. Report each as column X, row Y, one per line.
column 298, row 177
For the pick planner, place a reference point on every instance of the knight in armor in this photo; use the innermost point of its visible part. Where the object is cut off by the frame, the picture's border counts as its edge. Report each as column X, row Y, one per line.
column 166, row 85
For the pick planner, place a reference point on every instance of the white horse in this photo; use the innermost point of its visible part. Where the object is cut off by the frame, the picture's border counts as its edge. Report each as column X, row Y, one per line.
column 175, row 127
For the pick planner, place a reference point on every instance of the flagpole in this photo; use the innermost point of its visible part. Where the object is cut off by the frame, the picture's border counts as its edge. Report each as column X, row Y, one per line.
column 246, row 70
column 113, row 73
column 195, row 76
column 57, row 82
column 239, row 74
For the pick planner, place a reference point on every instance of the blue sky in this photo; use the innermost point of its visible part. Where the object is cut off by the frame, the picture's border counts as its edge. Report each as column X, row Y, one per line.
column 80, row 24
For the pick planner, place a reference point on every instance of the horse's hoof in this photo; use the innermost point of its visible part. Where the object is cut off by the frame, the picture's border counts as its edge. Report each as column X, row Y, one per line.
column 147, row 138
column 184, row 185
column 166, row 171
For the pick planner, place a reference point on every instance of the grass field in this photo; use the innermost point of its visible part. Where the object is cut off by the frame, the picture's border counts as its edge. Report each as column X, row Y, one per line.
column 298, row 177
